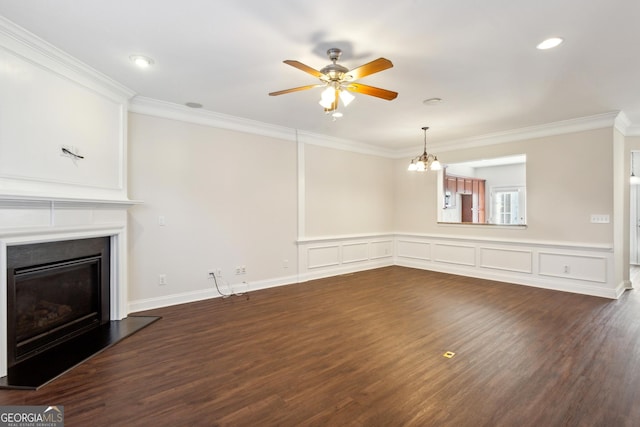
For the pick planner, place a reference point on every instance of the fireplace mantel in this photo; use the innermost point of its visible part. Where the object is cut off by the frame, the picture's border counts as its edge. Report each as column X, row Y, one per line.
column 31, row 200
column 33, row 219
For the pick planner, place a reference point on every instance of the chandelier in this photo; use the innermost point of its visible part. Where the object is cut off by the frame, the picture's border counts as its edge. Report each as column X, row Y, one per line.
column 425, row 161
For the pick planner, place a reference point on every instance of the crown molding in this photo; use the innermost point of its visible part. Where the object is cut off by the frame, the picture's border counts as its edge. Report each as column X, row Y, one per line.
column 169, row 110
column 625, row 127
column 35, row 50
column 174, row 111
column 622, row 123
column 344, row 144
column 598, row 121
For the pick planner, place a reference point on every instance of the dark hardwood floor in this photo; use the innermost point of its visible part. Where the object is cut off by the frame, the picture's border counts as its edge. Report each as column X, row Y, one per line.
column 367, row 350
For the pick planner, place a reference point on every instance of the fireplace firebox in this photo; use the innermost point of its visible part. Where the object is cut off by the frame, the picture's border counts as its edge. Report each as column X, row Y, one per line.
column 55, row 292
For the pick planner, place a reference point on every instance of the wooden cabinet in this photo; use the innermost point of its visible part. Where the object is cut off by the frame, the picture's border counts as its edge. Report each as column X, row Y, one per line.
column 473, row 195
column 468, row 185
column 450, row 184
column 481, row 201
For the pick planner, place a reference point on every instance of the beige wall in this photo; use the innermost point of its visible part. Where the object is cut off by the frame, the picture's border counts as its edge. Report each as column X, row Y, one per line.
column 569, row 177
column 231, row 198
column 228, row 199
column 347, row 193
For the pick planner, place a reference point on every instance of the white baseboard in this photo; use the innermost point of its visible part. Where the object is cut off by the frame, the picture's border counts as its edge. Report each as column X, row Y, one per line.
column 582, row 269
column 200, row 295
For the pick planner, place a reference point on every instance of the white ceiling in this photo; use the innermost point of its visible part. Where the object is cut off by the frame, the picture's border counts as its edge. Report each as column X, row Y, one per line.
column 478, row 56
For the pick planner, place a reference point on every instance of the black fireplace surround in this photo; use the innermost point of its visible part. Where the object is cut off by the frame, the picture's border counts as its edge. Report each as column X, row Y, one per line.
column 58, row 309
column 55, row 291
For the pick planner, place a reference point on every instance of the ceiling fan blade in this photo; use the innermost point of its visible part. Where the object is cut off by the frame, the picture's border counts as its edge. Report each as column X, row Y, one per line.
column 300, row 66
column 373, row 91
column 379, row 64
column 294, row 89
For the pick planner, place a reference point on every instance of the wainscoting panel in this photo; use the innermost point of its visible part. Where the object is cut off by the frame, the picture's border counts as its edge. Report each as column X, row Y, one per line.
column 381, row 249
column 589, row 268
column 585, row 269
column 355, row 252
column 324, row 256
column 520, row 261
column 413, row 249
column 455, row 254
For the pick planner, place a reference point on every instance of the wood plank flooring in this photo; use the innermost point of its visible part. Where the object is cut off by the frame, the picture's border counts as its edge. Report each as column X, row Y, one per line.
column 367, row 350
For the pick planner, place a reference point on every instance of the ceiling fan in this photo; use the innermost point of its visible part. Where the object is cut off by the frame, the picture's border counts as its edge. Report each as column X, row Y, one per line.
column 338, row 81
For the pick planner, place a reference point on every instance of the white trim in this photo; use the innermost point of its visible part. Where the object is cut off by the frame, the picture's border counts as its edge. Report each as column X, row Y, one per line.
column 4, row 364
column 204, row 294
column 513, row 274
column 170, row 110
column 580, row 124
column 622, row 123
column 118, row 268
column 536, row 243
column 38, row 51
column 28, row 200
column 344, row 237
column 598, row 121
column 580, row 275
column 302, row 195
column 152, row 107
column 345, row 145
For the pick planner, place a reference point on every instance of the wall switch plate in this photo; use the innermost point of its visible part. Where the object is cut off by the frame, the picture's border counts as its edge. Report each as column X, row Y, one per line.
column 600, row 219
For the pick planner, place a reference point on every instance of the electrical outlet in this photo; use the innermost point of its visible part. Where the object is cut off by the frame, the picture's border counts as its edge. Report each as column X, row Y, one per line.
column 214, row 272
column 285, row 263
column 567, row 269
column 599, row 219
column 238, row 270
column 243, row 269
column 162, row 279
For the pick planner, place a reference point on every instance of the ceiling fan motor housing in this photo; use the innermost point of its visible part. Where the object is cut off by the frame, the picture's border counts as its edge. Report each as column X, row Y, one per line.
column 335, row 72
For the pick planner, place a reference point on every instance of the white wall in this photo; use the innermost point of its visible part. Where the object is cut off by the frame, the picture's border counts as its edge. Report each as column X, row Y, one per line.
column 347, row 193
column 569, row 177
column 50, row 101
column 228, row 199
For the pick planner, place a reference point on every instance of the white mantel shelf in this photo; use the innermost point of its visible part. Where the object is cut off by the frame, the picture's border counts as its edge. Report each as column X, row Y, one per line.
column 67, row 201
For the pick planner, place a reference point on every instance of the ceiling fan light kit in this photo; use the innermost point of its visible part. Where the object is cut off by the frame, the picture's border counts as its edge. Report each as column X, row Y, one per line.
column 336, row 79
column 425, row 160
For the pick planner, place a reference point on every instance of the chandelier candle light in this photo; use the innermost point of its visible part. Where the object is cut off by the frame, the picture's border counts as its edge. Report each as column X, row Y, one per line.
column 425, row 161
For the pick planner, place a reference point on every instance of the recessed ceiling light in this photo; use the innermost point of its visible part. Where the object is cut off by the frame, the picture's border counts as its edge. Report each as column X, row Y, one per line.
column 550, row 43
column 141, row 61
column 193, row 105
column 432, row 101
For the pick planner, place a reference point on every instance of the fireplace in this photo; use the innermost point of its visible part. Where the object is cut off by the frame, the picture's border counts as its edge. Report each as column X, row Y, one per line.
column 55, row 292
column 63, row 285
